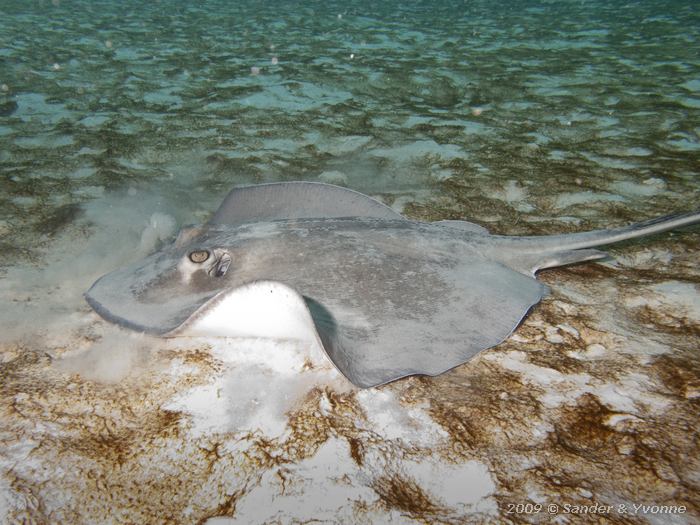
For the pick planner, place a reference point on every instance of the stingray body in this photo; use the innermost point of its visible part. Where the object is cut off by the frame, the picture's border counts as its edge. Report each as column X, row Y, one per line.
column 385, row 296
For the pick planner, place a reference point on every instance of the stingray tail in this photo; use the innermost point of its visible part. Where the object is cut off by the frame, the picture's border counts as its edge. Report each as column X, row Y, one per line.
column 583, row 240
column 536, row 253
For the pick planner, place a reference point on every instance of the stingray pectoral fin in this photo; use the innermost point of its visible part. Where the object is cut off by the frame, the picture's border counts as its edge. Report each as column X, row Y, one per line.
column 378, row 341
column 372, row 340
column 297, row 200
column 145, row 296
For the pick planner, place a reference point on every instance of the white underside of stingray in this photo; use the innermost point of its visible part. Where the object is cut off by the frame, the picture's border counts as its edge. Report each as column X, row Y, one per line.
column 385, row 297
column 260, row 309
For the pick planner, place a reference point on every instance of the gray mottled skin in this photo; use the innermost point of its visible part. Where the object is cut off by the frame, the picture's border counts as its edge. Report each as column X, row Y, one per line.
column 388, row 297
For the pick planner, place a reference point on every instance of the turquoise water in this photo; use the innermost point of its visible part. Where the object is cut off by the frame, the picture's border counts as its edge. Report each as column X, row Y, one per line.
column 499, row 111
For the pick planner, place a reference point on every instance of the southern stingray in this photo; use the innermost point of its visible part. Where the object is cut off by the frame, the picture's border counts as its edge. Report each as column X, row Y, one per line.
column 385, row 296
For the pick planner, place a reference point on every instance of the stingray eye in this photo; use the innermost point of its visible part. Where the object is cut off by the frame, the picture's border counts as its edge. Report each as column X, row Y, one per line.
column 199, row 256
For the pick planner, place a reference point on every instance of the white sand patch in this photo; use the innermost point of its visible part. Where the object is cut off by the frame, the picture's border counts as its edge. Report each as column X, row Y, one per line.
column 44, row 141
column 118, row 354
column 282, row 145
column 553, row 336
column 327, row 487
column 683, row 141
column 330, row 487
column 283, row 356
column 464, row 487
column 83, row 173
column 16, row 456
column 440, row 174
column 416, row 150
column 469, row 127
column 683, row 296
column 33, row 107
column 692, row 85
column 7, row 499
column 565, row 200
column 334, row 177
column 687, row 102
column 12, row 501
column 305, row 97
column 518, row 338
column 640, row 258
column 629, row 152
column 94, row 121
column 557, row 154
column 633, row 393
column 128, row 54
column 163, row 97
column 514, row 194
column 617, row 163
column 648, row 187
column 338, row 145
column 675, row 298
column 621, row 420
column 415, row 120
column 262, row 380
column 630, row 395
column 569, row 330
column 595, row 350
column 17, row 453
column 592, row 352
column 247, row 399
column 392, row 420
column 517, row 361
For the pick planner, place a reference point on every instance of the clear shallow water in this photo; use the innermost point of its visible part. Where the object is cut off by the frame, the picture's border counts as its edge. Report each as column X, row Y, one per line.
column 528, row 117
column 447, row 100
